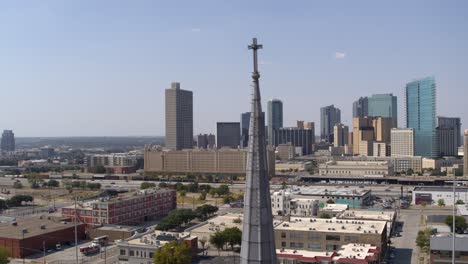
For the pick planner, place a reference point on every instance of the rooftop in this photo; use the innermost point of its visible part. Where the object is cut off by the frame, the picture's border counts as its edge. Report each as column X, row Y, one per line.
column 445, row 243
column 332, row 190
column 157, row 239
column 33, row 226
column 335, row 207
column 367, row 215
column 439, row 189
column 333, row 225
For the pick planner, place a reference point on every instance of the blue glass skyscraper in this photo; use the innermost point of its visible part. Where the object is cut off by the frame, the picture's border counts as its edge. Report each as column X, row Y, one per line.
column 384, row 105
column 421, row 115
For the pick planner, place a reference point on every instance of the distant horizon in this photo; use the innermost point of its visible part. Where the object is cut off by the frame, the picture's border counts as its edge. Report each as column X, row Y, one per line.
column 94, row 68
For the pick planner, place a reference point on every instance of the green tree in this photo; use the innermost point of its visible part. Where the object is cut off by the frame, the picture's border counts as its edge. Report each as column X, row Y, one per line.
column 183, row 193
column 410, row 172
column 218, row 240
column 223, row 189
column 325, row 216
column 17, row 200
column 206, row 210
column 232, row 236
column 423, row 239
column 53, row 183
column 460, row 202
column 284, row 185
column 173, row 253
column 460, row 223
column 441, row 202
column 213, row 192
column 162, row 185
column 202, row 196
column 147, row 185
column 4, row 256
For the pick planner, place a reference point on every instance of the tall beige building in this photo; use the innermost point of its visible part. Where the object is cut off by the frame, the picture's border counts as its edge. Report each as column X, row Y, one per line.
column 402, row 142
column 465, row 154
column 179, row 118
column 367, row 130
column 340, row 134
column 382, row 127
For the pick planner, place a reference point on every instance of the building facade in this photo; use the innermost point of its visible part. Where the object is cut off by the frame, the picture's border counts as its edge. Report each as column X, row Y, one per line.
column 275, row 117
column 8, row 141
column 206, row 141
column 228, row 134
column 421, row 116
column 329, row 117
column 131, row 209
column 402, row 142
column 384, row 105
column 356, row 168
column 283, row 203
column 448, row 133
column 297, row 137
column 179, row 118
column 340, row 134
column 465, row 154
column 431, row 195
column 360, row 107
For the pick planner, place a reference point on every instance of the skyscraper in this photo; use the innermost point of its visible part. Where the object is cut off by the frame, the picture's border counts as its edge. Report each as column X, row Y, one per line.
column 402, row 142
column 360, row 107
column 8, row 140
column 275, row 117
column 448, row 133
column 341, row 134
column 465, row 154
column 258, row 242
column 179, row 118
column 205, row 141
column 228, row 134
column 384, row 105
column 421, row 116
column 329, row 117
column 298, row 137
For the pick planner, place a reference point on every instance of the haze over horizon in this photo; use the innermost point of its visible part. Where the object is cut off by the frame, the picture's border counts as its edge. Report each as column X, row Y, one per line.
column 100, row 68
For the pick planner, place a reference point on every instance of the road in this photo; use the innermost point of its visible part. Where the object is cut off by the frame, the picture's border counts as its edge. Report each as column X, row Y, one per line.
column 406, row 251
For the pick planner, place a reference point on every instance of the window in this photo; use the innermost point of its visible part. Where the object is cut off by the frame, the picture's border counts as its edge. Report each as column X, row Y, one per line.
column 283, row 244
column 283, row 235
column 332, row 247
column 314, row 236
column 296, row 236
column 122, row 252
column 351, row 238
column 314, row 246
column 333, row 237
column 151, row 255
column 131, row 253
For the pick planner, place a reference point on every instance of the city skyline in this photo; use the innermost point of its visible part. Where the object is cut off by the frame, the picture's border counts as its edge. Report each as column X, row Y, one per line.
column 91, row 55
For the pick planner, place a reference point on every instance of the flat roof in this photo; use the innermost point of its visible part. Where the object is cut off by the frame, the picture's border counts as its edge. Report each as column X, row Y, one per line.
column 367, row 214
column 33, row 225
column 348, row 251
column 333, row 225
column 332, row 191
column 439, row 189
column 158, row 238
column 445, row 243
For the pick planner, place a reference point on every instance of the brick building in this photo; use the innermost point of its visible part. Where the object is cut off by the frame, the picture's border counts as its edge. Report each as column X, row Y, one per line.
column 128, row 209
column 24, row 237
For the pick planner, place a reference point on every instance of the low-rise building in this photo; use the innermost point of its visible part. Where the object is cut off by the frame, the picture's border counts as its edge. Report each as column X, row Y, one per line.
column 356, row 168
column 315, row 234
column 435, row 164
column 349, row 253
column 441, row 249
column 127, row 209
column 431, row 195
column 28, row 236
column 141, row 250
column 218, row 223
column 388, row 216
column 333, row 209
column 354, row 197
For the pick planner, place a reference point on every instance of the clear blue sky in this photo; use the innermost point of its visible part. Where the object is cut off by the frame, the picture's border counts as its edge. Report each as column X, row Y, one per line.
column 94, row 68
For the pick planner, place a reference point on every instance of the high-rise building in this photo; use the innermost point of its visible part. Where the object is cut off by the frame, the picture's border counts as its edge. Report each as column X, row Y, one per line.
column 258, row 239
column 360, row 107
column 421, row 115
column 362, row 132
column 329, row 117
column 382, row 127
column 228, row 134
column 245, row 121
column 205, row 141
column 448, row 133
column 8, row 140
column 402, row 142
column 384, row 105
column 341, row 134
column 275, row 117
column 179, row 118
column 465, row 154
column 298, row 137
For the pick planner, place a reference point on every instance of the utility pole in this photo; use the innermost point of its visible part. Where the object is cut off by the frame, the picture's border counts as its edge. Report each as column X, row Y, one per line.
column 43, row 251
column 454, row 213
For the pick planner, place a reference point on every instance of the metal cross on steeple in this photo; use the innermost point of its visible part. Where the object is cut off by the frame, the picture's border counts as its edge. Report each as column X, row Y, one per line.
column 254, row 46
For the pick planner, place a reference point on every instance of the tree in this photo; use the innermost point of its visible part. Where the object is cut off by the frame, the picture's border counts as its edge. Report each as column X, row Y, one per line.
column 17, row 185
column 176, row 218
column 330, row 201
column 4, row 256
column 284, row 185
column 206, row 210
column 423, row 239
column 460, row 223
column 223, row 189
column 325, row 216
column 213, row 192
column 173, row 253
column 232, row 236
column 183, row 193
column 17, row 200
column 162, row 185
column 218, row 240
column 460, row 202
column 202, row 196
column 410, row 172
column 99, row 169
column 147, row 185
column 53, row 183
column 441, row 202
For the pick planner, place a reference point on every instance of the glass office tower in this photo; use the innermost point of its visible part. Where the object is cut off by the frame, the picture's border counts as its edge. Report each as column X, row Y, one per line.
column 384, row 105
column 421, row 115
